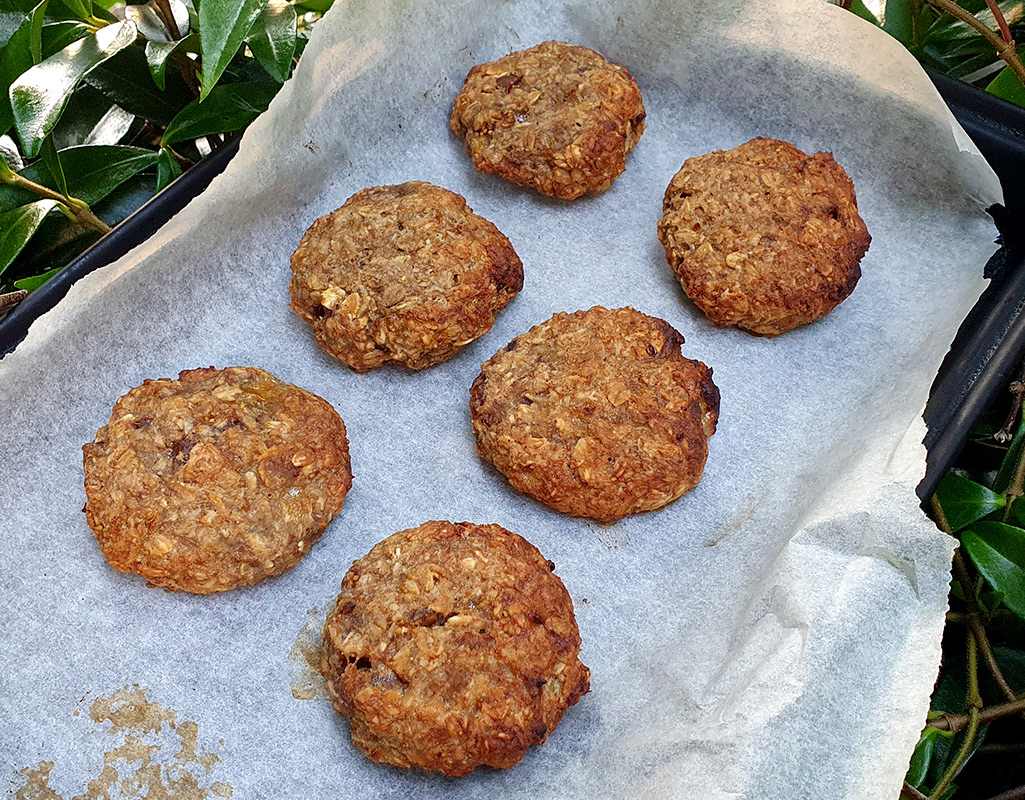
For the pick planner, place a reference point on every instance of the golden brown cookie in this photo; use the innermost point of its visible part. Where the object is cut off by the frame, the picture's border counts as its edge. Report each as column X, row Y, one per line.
column 218, row 479
column 452, row 646
column 405, row 274
column 556, row 117
column 596, row 413
column 763, row 236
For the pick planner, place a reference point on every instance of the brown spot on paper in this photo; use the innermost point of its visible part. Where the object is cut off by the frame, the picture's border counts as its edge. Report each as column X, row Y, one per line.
column 158, row 757
column 304, row 676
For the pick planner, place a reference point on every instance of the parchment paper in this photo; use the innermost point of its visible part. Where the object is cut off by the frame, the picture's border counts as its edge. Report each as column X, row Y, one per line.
column 774, row 634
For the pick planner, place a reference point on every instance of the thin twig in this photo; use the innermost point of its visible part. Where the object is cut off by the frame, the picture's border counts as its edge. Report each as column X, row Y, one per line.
column 11, row 299
column 167, row 17
column 81, row 211
column 1017, row 388
column 956, row 722
column 911, row 792
column 998, row 15
column 1012, row 794
column 974, row 706
column 1005, row 49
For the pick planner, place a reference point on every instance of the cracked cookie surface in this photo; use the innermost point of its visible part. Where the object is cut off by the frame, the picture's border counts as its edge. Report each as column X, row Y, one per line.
column 452, row 646
column 764, row 236
column 215, row 480
column 555, row 117
column 404, row 274
column 596, row 413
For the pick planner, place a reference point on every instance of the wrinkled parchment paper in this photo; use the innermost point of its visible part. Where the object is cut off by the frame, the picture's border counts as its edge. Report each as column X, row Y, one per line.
column 774, row 634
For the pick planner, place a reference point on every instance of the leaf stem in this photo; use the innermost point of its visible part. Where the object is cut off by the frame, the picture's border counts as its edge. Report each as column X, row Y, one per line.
column 80, row 209
column 1005, row 48
column 974, row 707
column 974, row 616
column 957, row 722
column 998, row 15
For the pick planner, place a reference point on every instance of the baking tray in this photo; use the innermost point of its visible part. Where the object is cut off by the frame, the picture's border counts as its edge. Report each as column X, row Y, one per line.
column 988, row 345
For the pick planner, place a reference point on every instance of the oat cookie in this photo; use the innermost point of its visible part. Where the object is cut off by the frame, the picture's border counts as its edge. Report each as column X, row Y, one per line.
column 556, row 117
column 764, row 236
column 596, row 413
column 404, row 274
column 218, row 479
column 452, row 646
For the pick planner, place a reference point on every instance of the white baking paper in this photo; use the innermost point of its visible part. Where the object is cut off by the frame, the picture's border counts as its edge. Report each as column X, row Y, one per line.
column 773, row 634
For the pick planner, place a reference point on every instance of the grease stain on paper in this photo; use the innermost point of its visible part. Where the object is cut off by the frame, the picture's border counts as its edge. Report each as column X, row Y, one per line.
column 158, row 757
column 304, row 676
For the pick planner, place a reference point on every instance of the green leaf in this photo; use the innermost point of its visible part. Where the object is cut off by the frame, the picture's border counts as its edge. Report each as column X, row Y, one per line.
column 35, row 36
column 1007, row 86
column 273, row 38
column 58, row 35
column 92, row 172
column 126, row 80
column 52, row 161
column 965, row 501
column 223, row 24
column 314, row 5
column 920, row 759
column 33, row 283
column 998, row 552
column 17, row 227
column 167, row 169
column 898, row 21
column 80, row 9
column 227, row 108
column 15, row 59
column 158, row 53
column 1010, row 463
column 38, row 96
column 859, row 8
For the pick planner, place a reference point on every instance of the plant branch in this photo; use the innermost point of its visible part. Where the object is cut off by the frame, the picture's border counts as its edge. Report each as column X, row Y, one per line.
column 974, row 616
column 167, row 17
column 1011, row 794
column 974, row 707
column 1017, row 388
column 911, row 792
column 956, row 722
column 1005, row 49
column 81, row 210
column 998, row 15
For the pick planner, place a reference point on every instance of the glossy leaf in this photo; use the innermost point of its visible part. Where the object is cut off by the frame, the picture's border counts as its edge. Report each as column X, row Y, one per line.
column 38, row 96
column 90, row 118
column 1007, row 86
column 92, row 172
column 314, row 5
column 33, row 283
column 126, row 80
column 158, row 53
column 273, row 38
column 167, row 169
column 35, row 36
column 998, row 552
column 223, row 24
column 17, row 227
column 965, row 501
column 58, row 35
column 228, row 108
column 52, row 161
column 9, row 155
column 15, row 59
column 150, row 22
column 918, row 769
